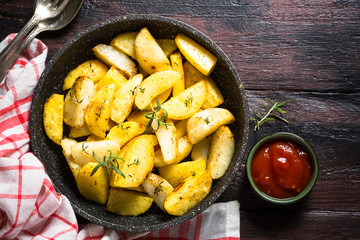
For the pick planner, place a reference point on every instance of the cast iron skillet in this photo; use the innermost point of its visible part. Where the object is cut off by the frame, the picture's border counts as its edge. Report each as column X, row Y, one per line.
column 77, row 51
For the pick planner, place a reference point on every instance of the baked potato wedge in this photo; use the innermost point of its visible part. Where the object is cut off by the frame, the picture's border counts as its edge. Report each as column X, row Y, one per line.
column 167, row 45
column 128, row 203
column 113, row 56
column 184, row 149
column 82, row 152
column 167, row 137
column 138, row 162
column 196, row 54
column 93, row 187
column 124, row 132
column 176, row 173
column 93, row 69
column 188, row 193
column 201, row 149
column 97, row 113
column 77, row 100
column 177, row 66
column 149, row 54
column 53, row 117
column 192, row 76
column 221, row 151
column 181, row 128
column 113, row 75
column 154, row 85
column 124, row 99
column 76, row 132
column 157, row 188
column 66, row 144
column 126, row 43
column 186, row 103
column 206, row 122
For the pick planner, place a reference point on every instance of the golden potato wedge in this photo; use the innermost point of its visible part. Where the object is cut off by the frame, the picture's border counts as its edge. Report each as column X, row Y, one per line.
column 184, row 149
column 126, row 43
column 53, row 117
column 124, row 132
column 77, row 100
column 137, row 189
column 114, row 76
column 153, row 86
column 177, row 65
column 95, row 187
column 149, row 54
column 186, row 103
column 188, row 193
column 113, row 56
column 93, row 69
column 221, row 151
column 167, row 137
column 93, row 138
column 128, row 203
column 167, row 45
column 151, row 138
column 66, row 144
column 181, row 128
column 197, row 55
column 138, row 162
column 176, row 173
column 139, row 116
column 206, row 122
column 82, row 152
column 76, row 132
column 157, row 188
column 201, row 149
column 84, row 131
column 162, row 97
column 124, row 99
column 192, row 76
column 97, row 113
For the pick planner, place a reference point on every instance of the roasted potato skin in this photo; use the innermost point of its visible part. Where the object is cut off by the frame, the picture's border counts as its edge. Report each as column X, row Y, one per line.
column 93, row 69
column 53, row 117
column 95, row 187
column 128, row 203
column 188, row 193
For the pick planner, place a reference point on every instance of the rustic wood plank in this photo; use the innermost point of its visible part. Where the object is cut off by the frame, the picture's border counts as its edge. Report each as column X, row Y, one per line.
column 305, row 50
column 299, row 225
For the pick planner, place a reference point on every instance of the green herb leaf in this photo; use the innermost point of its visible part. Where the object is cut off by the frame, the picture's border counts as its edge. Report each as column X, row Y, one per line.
column 154, row 116
column 260, row 119
column 108, row 163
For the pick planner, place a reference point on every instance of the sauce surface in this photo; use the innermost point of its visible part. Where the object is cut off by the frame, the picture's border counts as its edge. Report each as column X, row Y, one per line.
column 281, row 169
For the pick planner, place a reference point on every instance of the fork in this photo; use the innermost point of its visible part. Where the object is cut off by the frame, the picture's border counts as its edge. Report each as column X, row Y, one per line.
column 44, row 9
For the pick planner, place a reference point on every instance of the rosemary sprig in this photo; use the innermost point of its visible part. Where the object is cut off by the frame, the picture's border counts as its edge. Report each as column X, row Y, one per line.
column 108, row 164
column 270, row 115
column 154, row 115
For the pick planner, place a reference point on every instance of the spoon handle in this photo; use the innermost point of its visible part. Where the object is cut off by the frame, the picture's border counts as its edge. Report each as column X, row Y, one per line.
column 9, row 49
column 7, row 63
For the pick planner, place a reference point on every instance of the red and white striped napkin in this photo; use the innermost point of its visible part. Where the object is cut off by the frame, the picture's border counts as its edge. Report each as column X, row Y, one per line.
column 30, row 208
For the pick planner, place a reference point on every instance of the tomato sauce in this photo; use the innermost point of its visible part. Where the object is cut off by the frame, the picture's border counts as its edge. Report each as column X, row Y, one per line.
column 281, row 169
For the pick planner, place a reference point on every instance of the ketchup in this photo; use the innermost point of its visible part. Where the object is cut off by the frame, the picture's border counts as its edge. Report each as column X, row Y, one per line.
column 281, row 169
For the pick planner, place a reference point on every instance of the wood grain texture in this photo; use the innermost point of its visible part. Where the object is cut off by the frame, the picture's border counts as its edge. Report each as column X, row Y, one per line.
column 308, row 51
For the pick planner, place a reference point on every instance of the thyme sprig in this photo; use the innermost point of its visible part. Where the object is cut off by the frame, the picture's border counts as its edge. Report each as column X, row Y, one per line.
column 260, row 119
column 108, row 163
column 154, row 115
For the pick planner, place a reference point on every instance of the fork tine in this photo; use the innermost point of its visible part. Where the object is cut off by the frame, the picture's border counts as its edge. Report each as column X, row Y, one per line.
column 54, row 3
column 63, row 5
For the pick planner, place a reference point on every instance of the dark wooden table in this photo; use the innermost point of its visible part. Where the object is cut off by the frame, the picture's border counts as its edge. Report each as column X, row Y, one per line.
column 308, row 51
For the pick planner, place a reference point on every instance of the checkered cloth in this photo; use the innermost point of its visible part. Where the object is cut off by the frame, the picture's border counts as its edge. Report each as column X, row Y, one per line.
column 30, row 208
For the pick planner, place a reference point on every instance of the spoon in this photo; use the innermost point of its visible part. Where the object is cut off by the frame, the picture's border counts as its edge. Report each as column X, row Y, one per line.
column 52, row 24
column 43, row 9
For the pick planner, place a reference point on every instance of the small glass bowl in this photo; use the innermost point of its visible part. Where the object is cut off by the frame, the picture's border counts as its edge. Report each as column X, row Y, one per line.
column 306, row 147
